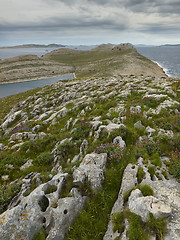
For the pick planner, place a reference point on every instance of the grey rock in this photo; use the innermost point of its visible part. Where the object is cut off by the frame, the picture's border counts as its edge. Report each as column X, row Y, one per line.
column 142, row 206
column 28, row 164
column 119, row 141
column 1, row 147
column 92, row 168
column 136, row 109
column 150, row 131
column 10, row 119
column 139, row 125
column 5, row 177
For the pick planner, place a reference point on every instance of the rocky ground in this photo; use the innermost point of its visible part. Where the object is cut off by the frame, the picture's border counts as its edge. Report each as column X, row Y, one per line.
column 78, row 145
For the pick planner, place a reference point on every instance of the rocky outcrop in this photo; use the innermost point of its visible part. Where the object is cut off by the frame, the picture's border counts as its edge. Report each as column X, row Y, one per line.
column 41, row 208
column 66, row 134
column 91, row 168
column 164, row 203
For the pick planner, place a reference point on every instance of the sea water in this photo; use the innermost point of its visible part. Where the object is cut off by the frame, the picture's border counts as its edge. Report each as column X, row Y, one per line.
column 168, row 57
column 14, row 88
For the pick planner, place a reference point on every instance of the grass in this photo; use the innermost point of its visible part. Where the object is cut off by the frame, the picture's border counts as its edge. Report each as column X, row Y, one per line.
column 140, row 174
column 118, row 222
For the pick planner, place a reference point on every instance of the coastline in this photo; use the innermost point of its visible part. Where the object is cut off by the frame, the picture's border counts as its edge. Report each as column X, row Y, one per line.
column 165, row 70
column 36, row 79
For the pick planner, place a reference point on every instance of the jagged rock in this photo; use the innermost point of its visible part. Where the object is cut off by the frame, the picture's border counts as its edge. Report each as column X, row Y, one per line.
column 84, row 147
column 28, row 164
column 61, row 217
column 155, row 96
column 5, row 177
column 44, row 116
column 92, row 168
column 1, row 147
column 119, row 141
column 62, row 112
column 109, row 128
column 36, row 129
column 136, row 109
column 9, row 166
column 142, row 206
column 10, row 119
column 31, row 213
column 150, row 131
column 168, row 133
column 67, row 126
column 139, row 125
column 18, row 145
column 95, row 124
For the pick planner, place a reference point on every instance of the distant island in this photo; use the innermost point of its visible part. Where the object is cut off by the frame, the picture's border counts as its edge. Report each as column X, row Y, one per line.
column 53, row 45
column 170, row 45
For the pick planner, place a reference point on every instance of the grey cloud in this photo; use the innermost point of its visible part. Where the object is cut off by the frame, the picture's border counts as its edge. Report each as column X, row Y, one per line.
column 56, row 24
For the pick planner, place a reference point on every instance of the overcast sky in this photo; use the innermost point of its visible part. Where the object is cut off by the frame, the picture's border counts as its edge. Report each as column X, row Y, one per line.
column 89, row 21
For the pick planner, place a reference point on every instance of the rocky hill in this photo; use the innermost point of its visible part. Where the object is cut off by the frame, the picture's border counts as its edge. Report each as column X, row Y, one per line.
column 93, row 159
column 104, row 60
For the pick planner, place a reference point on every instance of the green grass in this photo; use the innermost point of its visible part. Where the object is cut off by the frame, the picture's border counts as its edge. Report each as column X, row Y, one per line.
column 118, row 222
column 140, row 174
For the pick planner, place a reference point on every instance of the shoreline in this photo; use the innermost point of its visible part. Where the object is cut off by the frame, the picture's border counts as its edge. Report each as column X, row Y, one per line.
column 35, row 79
column 165, row 70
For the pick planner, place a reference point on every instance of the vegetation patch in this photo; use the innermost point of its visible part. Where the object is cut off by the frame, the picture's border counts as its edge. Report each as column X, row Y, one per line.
column 118, row 222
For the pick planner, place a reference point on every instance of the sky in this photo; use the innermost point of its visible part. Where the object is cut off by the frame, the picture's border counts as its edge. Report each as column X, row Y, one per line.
column 89, row 22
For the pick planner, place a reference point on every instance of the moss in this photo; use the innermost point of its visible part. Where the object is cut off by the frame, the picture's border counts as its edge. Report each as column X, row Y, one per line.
column 50, row 189
column 41, row 235
column 146, row 190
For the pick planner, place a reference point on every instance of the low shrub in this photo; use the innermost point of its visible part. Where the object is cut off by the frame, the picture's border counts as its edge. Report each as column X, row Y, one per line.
column 44, row 158
column 155, row 159
column 6, row 195
column 174, row 164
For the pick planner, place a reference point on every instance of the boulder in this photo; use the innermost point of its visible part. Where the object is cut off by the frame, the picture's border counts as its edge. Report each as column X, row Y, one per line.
column 119, row 141
column 91, row 168
column 142, row 206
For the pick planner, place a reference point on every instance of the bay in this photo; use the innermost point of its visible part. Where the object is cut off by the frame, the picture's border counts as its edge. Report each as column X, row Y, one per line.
column 8, row 89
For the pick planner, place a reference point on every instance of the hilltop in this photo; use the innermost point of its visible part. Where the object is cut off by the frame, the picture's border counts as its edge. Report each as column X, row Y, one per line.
column 102, row 61
column 95, row 158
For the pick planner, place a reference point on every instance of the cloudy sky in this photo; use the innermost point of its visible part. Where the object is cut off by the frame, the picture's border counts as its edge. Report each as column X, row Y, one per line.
column 89, row 21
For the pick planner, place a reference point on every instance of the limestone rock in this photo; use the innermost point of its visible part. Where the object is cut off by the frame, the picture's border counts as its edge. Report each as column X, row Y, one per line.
column 92, row 168
column 142, row 206
column 119, row 141
column 28, row 164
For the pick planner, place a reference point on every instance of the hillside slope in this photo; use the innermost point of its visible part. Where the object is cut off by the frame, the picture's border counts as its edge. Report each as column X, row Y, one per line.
column 93, row 159
column 30, row 67
column 104, row 60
